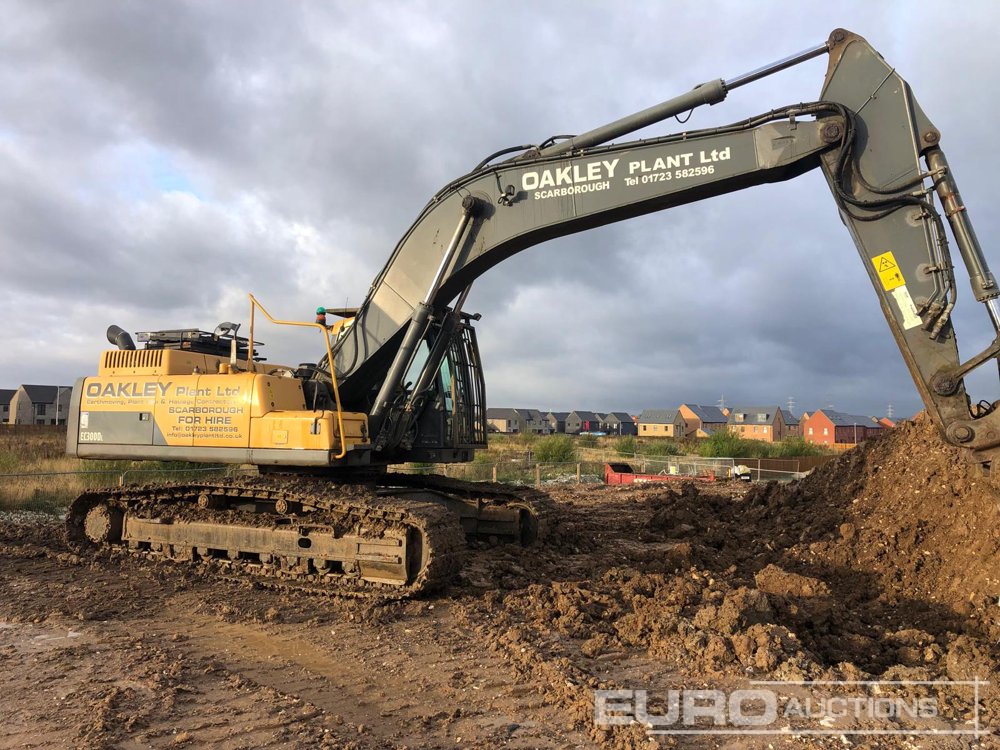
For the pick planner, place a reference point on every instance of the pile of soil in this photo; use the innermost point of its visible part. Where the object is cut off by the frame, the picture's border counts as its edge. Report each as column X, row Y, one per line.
column 882, row 564
column 908, row 511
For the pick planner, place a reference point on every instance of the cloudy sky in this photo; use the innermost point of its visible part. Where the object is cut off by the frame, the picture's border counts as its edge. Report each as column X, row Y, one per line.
column 159, row 160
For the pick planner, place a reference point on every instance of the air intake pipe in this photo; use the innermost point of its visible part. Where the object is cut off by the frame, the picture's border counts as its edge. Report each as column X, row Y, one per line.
column 120, row 338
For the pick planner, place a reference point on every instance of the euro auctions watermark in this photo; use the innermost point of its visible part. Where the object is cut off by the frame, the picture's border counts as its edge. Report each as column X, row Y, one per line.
column 830, row 707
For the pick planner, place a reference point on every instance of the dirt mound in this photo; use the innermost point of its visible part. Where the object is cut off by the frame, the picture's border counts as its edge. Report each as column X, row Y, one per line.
column 907, row 511
column 882, row 564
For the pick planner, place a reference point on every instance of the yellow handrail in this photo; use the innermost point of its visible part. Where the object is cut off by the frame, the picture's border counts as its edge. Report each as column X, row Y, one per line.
column 254, row 304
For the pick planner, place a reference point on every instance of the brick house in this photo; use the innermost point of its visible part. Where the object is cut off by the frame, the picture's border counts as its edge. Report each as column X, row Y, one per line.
column 619, row 423
column 6, row 394
column 830, row 427
column 40, row 404
column 582, row 421
column 701, row 421
column 793, row 425
column 661, row 423
column 765, row 423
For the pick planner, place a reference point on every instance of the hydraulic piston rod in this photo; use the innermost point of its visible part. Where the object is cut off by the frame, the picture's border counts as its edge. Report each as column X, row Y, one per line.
column 711, row 92
column 418, row 321
column 984, row 285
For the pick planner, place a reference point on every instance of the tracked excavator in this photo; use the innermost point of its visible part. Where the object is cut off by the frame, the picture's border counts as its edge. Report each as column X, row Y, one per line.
column 400, row 377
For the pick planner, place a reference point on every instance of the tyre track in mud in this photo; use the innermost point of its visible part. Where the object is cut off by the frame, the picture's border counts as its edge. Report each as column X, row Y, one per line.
column 158, row 655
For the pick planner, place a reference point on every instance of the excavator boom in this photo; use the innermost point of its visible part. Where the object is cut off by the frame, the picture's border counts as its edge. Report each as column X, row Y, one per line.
column 880, row 154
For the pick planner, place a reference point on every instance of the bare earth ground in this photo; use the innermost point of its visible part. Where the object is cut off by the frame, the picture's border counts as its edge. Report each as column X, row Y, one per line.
column 881, row 565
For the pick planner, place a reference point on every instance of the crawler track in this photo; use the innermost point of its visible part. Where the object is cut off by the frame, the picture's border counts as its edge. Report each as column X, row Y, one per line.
column 395, row 538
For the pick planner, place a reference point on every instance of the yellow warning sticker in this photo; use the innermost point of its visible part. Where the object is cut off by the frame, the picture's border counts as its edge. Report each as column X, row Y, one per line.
column 888, row 271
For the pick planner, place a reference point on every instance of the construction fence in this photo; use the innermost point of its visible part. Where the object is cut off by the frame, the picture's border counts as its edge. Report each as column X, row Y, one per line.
column 525, row 471
column 56, row 489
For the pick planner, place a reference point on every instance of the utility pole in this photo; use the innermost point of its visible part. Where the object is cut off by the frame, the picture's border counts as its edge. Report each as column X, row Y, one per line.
column 888, row 411
column 721, row 403
column 791, row 404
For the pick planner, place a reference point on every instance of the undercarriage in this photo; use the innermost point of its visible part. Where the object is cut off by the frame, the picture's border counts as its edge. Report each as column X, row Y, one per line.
column 392, row 538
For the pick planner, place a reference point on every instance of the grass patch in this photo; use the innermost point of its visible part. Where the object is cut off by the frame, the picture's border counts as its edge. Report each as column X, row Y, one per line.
column 49, row 479
column 626, row 446
column 555, row 449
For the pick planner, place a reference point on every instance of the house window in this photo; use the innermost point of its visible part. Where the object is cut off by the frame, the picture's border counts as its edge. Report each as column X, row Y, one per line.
column 40, row 411
column 762, row 417
column 741, row 417
column 644, row 428
column 826, row 430
column 756, row 428
column 810, row 430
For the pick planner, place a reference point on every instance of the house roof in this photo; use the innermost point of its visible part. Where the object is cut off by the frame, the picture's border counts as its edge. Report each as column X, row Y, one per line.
column 501, row 413
column 707, row 413
column 585, row 416
column 618, row 416
column 6, row 394
column 559, row 416
column 45, row 394
column 658, row 416
column 752, row 414
column 842, row 419
column 790, row 419
column 532, row 415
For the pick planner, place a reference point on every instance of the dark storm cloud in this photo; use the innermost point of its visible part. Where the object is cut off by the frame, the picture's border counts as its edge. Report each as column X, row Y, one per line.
column 158, row 160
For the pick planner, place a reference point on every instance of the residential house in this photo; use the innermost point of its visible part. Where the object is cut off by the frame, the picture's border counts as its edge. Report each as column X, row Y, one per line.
column 534, row 422
column 40, row 404
column 793, row 425
column 701, row 421
column 557, row 420
column 830, row 427
column 766, row 423
column 517, row 421
column 661, row 423
column 504, row 420
column 6, row 394
column 619, row 423
column 582, row 421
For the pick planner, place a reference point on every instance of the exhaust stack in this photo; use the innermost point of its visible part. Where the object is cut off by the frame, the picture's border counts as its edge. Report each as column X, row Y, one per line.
column 120, row 338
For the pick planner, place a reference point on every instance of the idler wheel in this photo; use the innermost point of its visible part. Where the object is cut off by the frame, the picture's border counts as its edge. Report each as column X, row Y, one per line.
column 103, row 525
